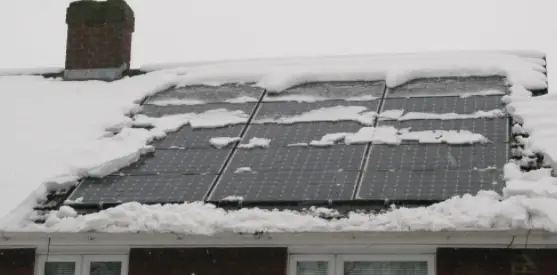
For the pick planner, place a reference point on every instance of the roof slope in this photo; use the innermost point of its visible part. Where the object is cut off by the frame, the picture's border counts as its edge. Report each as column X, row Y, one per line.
column 521, row 206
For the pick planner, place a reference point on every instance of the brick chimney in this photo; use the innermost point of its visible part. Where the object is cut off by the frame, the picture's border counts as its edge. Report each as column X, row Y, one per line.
column 99, row 39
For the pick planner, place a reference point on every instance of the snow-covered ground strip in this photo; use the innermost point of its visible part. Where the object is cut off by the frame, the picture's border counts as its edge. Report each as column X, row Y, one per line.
column 256, row 142
column 221, row 142
column 278, row 75
column 67, row 122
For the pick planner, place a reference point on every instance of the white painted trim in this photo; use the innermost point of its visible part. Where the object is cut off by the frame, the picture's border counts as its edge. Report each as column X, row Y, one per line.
column 42, row 259
column 105, row 258
column 430, row 259
column 293, row 259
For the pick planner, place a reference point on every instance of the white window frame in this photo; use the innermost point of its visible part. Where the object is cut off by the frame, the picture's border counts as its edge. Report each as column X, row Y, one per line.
column 39, row 270
column 430, row 259
column 82, row 262
column 104, row 258
column 311, row 258
column 336, row 262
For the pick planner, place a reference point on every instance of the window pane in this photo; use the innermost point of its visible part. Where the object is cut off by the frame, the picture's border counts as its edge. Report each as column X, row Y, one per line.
column 385, row 268
column 59, row 268
column 312, row 268
column 105, row 268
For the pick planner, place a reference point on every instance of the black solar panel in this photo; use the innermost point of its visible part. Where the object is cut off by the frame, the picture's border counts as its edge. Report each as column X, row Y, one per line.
column 442, row 105
column 198, row 94
column 449, row 86
column 426, row 185
column 291, row 185
column 185, row 166
column 145, row 189
column 495, row 129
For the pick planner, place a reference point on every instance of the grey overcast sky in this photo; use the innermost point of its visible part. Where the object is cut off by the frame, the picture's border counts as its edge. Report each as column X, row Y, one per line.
column 34, row 33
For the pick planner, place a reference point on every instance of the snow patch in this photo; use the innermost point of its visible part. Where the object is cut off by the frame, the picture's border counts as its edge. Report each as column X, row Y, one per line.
column 222, row 142
column 446, row 116
column 233, row 198
column 241, row 170
column 256, row 143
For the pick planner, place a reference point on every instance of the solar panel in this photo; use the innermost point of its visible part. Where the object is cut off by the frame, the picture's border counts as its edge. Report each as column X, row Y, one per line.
column 281, row 109
column 437, row 157
column 495, row 129
column 353, row 90
column 424, row 185
column 292, row 185
column 284, row 135
column 190, row 161
column 144, row 189
column 441, row 105
column 159, row 111
column 299, row 158
column 209, row 94
column 449, row 86
column 189, row 138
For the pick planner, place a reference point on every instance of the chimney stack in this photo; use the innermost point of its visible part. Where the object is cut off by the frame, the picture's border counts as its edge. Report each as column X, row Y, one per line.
column 99, row 39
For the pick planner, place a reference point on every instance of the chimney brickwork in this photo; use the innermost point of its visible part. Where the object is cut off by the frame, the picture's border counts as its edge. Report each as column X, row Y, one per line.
column 99, row 39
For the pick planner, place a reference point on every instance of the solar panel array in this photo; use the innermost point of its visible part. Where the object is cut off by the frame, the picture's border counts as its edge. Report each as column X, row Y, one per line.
column 186, row 167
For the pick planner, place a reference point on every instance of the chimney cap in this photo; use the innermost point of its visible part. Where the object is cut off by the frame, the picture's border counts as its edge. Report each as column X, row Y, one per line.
column 99, row 12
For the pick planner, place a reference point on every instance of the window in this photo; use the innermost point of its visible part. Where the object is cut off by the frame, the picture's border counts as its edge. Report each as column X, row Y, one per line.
column 83, row 265
column 362, row 265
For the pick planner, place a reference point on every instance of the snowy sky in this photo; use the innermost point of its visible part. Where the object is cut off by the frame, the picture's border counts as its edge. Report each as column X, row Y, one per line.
column 186, row 30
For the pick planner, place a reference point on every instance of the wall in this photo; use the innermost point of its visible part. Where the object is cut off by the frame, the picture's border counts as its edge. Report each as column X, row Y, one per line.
column 477, row 261
column 17, row 261
column 208, row 261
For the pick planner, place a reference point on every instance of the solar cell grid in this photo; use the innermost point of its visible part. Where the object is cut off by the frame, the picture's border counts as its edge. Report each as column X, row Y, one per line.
column 284, row 135
column 145, row 189
column 495, row 129
column 159, row 111
column 189, row 138
column 437, row 157
column 441, row 105
column 332, row 90
column 191, row 161
column 291, row 185
column 210, row 94
column 300, row 158
column 448, row 86
column 427, row 185
column 277, row 110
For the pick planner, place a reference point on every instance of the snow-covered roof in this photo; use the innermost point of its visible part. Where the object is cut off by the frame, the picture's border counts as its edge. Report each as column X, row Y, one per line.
column 64, row 131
